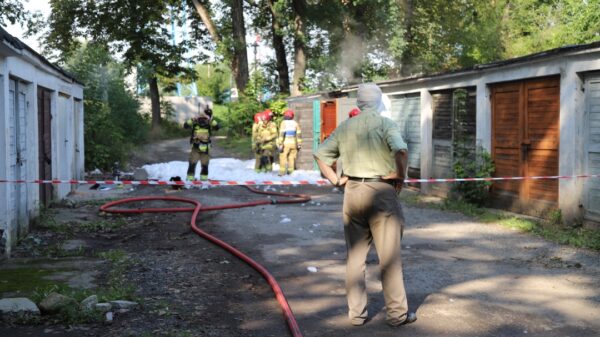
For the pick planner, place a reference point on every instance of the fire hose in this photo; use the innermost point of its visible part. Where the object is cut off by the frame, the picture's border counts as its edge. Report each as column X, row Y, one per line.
column 297, row 198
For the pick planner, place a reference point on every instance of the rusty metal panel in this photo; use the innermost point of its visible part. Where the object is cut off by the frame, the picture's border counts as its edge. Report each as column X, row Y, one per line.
column 328, row 118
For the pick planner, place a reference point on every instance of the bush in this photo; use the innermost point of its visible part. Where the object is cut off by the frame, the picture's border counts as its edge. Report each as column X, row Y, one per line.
column 476, row 192
column 112, row 124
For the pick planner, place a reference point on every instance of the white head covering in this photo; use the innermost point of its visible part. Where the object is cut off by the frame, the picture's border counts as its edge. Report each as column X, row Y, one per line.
column 368, row 97
column 385, row 108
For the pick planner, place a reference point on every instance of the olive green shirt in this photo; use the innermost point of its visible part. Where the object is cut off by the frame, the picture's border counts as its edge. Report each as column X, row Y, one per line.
column 366, row 145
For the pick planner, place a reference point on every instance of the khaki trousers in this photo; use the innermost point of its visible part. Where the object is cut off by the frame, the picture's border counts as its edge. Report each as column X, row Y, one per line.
column 195, row 156
column 372, row 213
column 287, row 157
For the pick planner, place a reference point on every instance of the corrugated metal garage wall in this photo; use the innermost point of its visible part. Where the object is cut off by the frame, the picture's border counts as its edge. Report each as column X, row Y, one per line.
column 592, row 197
column 303, row 109
column 406, row 111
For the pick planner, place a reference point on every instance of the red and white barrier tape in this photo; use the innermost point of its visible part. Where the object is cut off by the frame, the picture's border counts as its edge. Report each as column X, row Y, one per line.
column 269, row 182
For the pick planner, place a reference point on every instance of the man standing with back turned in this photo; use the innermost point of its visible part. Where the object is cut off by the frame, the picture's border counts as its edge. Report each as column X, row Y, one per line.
column 375, row 158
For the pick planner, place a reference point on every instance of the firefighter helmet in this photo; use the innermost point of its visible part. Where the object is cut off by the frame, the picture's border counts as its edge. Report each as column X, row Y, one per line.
column 257, row 117
column 267, row 115
column 288, row 114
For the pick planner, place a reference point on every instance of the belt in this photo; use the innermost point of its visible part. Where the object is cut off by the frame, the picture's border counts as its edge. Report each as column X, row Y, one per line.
column 372, row 180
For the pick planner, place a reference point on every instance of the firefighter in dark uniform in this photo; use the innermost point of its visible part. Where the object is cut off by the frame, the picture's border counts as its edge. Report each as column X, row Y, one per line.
column 202, row 127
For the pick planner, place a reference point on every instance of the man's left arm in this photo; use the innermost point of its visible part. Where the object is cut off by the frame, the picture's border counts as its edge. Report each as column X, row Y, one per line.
column 400, row 150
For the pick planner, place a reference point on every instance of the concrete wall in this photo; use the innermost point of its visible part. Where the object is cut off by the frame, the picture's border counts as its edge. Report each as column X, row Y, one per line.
column 185, row 107
column 30, row 72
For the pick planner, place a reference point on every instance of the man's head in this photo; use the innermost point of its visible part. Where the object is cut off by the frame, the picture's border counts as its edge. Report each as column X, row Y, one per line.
column 368, row 97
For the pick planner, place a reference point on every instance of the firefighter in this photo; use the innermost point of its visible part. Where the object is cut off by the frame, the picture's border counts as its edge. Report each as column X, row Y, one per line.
column 266, row 138
column 289, row 142
column 254, row 146
column 202, row 127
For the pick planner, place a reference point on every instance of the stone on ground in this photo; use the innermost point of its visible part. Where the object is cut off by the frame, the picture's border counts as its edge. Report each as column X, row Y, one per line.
column 55, row 302
column 18, row 305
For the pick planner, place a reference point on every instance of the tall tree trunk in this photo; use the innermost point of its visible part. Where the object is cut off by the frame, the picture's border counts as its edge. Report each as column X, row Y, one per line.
column 280, row 56
column 205, row 17
column 407, row 61
column 155, row 103
column 299, row 46
column 239, row 59
column 240, row 55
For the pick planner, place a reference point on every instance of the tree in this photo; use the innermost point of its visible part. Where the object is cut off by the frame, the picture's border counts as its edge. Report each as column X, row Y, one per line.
column 536, row 25
column 112, row 123
column 13, row 12
column 133, row 28
column 299, row 10
column 229, row 35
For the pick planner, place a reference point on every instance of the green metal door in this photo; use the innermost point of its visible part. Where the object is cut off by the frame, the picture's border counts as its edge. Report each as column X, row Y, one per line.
column 316, row 127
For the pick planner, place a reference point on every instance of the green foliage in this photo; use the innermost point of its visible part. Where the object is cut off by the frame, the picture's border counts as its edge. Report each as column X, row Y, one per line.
column 112, row 123
column 13, row 12
column 470, row 159
column 213, row 81
column 535, row 25
column 482, row 167
column 238, row 121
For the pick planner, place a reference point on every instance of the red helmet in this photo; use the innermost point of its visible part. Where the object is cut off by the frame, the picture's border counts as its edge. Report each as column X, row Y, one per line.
column 353, row 113
column 267, row 115
column 257, row 117
column 288, row 114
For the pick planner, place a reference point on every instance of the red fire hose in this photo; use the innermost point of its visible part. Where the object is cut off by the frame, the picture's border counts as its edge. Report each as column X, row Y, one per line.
column 297, row 198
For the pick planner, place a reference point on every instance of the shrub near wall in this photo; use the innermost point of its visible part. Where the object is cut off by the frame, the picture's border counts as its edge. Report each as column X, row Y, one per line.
column 112, row 123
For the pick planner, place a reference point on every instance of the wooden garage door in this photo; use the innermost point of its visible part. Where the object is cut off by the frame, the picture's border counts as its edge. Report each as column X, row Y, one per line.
column 526, row 137
column 44, row 97
column 328, row 118
column 592, row 199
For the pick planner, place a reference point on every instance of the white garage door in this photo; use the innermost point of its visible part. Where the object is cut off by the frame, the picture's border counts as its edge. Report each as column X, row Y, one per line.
column 592, row 200
column 17, row 154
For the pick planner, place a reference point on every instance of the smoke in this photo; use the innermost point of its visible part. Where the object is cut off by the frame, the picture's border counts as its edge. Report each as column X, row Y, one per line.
column 352, row 52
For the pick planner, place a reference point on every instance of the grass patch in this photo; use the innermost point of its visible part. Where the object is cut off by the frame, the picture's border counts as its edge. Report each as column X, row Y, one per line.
column 26, row 281
column 103, row 225
column 57, row 250
column 552, row 230
column 238, row 146
column 118, row 286
column 96, row 203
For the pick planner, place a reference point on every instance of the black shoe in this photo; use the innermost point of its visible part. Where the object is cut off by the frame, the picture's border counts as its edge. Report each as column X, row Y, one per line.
column 411, row 317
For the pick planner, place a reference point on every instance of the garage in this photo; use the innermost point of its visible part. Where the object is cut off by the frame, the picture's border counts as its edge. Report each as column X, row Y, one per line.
column 525, row 141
